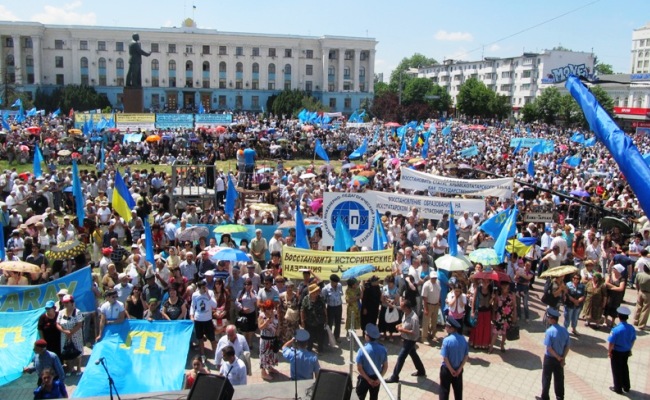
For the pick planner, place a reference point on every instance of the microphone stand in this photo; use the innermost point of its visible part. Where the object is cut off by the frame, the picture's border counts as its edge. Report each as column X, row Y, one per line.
column 295, row 369
column 111, row 383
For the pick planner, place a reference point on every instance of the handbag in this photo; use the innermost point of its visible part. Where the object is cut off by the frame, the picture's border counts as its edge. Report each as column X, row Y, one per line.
column 276, row 345
column 512, row 333
column 391, row 315
column 70, row 352
column 330, row 336
column 292, row 315
column 473, row 320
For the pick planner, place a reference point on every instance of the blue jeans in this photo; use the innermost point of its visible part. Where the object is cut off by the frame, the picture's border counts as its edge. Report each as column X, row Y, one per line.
column 571, row 315
column 408, row 349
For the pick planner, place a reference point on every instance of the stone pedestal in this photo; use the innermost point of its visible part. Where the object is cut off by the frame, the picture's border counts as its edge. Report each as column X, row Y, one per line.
column 133, row 100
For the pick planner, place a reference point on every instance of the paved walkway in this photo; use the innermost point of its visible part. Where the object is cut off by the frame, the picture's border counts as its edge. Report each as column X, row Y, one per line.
column 515, row 374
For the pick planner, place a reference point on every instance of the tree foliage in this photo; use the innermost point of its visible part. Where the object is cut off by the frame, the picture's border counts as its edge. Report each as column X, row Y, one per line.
column 416, row 90
column 78, row 97
column 442, row 101
column 417, row 60
column 474, row 98
column 604, row 69
column 552, row 107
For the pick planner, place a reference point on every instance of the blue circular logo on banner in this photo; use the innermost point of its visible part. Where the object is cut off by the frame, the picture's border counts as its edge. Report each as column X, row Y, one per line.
column 355, row 216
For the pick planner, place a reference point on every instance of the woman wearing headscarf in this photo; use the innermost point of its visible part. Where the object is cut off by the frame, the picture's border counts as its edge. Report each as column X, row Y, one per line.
column 615, row 284
column 595, row 299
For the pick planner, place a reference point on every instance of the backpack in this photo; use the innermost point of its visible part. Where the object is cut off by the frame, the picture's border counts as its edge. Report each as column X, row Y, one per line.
column 547, row 297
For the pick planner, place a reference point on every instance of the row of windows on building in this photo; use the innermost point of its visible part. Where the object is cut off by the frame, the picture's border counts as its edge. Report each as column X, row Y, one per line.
column 189, row 68
column 189, row 49
column 464, row 67
column 222, row 102
column 489, row 76
column 642, row 43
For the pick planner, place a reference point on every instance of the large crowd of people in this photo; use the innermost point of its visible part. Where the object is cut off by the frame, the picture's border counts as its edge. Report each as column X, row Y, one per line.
column 267, row 309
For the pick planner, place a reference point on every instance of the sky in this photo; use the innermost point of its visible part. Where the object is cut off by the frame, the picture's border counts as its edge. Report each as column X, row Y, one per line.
column 461, row 30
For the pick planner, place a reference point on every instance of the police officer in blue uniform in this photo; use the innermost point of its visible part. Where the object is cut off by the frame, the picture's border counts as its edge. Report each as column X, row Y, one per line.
column 455, row 353
column 621, row 339
column 556, row 341
column 369, row 381
column 304, row 363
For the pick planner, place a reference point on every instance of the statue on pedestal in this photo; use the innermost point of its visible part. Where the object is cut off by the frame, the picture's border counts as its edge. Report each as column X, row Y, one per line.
column 133, row 76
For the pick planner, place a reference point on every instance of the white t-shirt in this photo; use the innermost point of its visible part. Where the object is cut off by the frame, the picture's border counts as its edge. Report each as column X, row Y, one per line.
column 235, row 372
column 202, row 305
column 111, row 312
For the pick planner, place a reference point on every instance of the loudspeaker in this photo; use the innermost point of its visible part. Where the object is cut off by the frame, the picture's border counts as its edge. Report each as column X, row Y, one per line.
column 211, row 387
column 264, row 186
column 332, row 385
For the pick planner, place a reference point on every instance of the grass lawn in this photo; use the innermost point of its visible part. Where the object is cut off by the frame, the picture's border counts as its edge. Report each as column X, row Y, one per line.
column 228, row 165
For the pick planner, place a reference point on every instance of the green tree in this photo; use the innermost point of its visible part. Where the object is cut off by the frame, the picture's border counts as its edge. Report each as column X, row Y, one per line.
column 604, row 69
column 313, row 104
column 499, row 106
column 441, row 100
column 417, row 60
column 288, row 102
column 549, row 105
column 416, row 90
column 529, row 113
column 573, row 113
column 381, row 88
column 474, row 98
column 78, row 97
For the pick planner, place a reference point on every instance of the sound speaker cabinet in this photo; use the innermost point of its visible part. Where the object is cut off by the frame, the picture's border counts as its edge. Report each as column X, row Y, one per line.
column 332, row 385
column 211, row 387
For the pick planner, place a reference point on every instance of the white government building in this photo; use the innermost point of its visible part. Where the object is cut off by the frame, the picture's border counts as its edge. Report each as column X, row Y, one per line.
column 188, row 65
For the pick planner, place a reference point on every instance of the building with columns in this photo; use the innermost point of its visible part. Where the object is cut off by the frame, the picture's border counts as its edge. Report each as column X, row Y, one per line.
column 188, row 65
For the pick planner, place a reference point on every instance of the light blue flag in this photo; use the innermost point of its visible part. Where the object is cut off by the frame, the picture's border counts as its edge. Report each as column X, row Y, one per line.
column 401, row 132
column 494, row 225
column 573, row 161
column 151, row 350
column 446, row 131
column 360, row 151
column 530, row 167
column 38, row 159
column 32, row 112
column 375, row 137
column 509, row 230
column 326, row 119
column 353, row 117
column 302, row 116
column 111, row 122
column 78, row 195
column 578, row 138
column 528, row 130
column 361, row 115
column 517, row 148
column 402, row 149
column 148, row 243
column 412, row 125
column 56, row 112
column 24, row 298
column 19, row 332
column 5, row 121
column 452, row 239
column 590, row 142
column 201, row 109
column 301, row 230
column 101, row 125
column 469, row 151
column 548, row 147
column 538, row 148
column 380, row 238
column 320, row 151
column 231, row 197
column 517, row 130
column 414, row 141
column 17, row 103
column 343, row 239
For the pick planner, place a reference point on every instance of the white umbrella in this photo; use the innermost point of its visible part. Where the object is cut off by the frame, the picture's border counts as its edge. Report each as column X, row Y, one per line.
column 193, row 233
column 453, row 263
column 308, row 175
